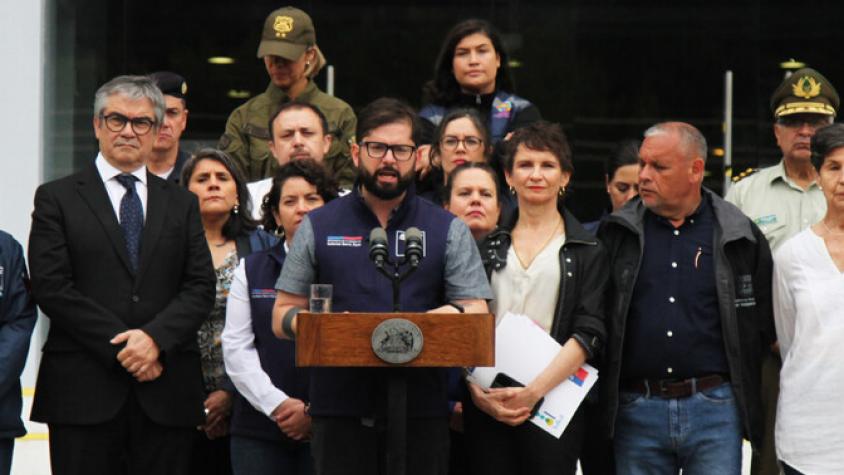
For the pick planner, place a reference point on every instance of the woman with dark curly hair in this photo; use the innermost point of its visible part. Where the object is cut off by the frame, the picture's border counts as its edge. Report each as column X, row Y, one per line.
column 270, row 426
column 472, row 71
column 231, row 234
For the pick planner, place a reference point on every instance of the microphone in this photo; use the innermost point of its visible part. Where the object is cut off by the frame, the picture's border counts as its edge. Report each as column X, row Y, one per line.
column 378, row 250
column 413, row 247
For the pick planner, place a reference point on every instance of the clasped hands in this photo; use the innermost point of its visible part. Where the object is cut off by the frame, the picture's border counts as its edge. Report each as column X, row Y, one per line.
column 139, row 356
column 292, row 419
column 512, row 406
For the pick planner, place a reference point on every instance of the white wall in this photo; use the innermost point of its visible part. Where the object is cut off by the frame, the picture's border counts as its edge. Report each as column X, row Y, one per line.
column 21, row 133
column 21, row 112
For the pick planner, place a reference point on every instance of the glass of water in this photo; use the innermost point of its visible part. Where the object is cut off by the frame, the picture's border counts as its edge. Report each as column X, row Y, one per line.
column 320, row 301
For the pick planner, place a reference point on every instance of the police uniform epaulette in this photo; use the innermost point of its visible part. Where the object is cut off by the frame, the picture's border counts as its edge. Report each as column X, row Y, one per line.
column 741, row 176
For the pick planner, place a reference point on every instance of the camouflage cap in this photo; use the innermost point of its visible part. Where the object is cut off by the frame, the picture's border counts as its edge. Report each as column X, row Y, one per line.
column 288, row 32
column 806, row 91
column 170, row 83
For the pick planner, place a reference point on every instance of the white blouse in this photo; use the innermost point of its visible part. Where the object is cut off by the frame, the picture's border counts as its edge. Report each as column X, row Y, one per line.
column 808, row 292
column 533, row 291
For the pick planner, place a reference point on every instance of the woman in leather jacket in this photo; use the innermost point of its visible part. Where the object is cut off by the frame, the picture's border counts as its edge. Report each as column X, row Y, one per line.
column 542, row 264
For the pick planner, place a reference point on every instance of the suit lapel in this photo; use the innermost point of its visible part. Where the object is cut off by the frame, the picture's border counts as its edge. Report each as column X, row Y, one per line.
column 157, row 193
column 93, row 191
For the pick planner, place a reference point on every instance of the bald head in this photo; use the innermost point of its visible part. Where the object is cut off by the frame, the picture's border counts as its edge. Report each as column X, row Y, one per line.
column 692, row 142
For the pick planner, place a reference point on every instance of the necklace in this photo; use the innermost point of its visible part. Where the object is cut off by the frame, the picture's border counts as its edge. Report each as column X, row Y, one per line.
column 541, row 248
column 829, row 230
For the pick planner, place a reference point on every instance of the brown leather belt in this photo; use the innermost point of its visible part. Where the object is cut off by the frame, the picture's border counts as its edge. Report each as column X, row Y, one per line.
column 672, row 388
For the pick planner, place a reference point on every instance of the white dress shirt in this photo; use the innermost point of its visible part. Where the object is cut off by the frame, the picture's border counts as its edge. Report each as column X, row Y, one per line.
column 808, row 296
column 239, row 353
column 115, row 190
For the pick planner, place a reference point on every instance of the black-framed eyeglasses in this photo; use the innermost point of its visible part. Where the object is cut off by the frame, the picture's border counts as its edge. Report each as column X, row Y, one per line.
column 469, row 143
column 117, row 122
column 797, row 121
column 379, row 150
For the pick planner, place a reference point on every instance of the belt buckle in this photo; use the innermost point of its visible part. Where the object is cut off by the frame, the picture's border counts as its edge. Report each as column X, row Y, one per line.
column 662, row 385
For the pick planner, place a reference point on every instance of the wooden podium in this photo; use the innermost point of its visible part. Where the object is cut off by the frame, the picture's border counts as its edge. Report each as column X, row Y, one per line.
column 345, row 339
column 374, row 339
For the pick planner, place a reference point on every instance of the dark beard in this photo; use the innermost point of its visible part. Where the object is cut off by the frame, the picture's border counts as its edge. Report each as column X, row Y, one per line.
column 370, row 183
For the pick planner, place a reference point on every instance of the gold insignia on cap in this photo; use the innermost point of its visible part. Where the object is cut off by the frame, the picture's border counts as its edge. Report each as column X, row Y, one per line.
column 806, row 87
column 282, row 26
column 184, row 88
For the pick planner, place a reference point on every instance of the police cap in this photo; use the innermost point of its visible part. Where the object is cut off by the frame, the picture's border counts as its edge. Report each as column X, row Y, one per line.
column 171, row 84
column 805, row 92
column 288, row 32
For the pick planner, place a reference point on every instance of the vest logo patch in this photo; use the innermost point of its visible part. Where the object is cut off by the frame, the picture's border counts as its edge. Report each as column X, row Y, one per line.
column 401, row 242
column 502, row 108
column 262, row 293
column 344, row 241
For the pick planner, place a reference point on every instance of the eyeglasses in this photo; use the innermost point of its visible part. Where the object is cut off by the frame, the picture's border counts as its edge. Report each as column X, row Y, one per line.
column 469, row 143
column 797, row 121
column 379, row 150
column 117, row 122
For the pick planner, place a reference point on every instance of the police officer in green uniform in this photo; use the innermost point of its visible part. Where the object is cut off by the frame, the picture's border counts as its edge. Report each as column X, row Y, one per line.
column 784, row 199
column 288, row 48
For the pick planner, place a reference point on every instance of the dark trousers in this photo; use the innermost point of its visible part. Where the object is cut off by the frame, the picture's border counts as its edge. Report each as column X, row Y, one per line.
column 210, row 457
column 345, row 446
column 597, row 456
column 764, row 461
column 496, row 448
column 7, row 447
column 253, row 456
column 129, row 444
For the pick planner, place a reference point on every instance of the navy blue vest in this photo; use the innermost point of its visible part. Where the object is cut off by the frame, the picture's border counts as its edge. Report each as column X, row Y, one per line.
column 503, row 111
column 341, row 234
column 278, row 357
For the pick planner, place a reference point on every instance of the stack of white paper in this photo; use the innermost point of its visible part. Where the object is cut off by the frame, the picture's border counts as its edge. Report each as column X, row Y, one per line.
column 522, row 351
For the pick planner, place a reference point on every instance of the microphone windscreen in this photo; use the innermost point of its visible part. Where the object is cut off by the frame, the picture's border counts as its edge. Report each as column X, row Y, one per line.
column 377, row 236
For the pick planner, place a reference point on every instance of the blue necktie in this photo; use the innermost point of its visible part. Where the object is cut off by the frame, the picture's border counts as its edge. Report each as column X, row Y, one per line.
column 131, row 218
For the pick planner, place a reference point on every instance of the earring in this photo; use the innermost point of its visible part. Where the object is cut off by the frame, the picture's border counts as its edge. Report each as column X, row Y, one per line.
column 512, row 191
column 307, row 64
column 236, row 209
column 562, row 191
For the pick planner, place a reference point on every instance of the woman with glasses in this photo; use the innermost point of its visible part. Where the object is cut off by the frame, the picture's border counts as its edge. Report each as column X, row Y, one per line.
column 542, row 264
column 461, row 137
column 231, row 234
column 270, row 425
column 808, row 294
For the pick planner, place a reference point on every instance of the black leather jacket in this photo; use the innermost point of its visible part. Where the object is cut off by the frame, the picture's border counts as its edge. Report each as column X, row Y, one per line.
column 584, row 272
column 743, row 269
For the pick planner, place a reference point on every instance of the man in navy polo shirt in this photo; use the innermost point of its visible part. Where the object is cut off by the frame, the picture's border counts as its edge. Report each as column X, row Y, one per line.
column 348, row 405
column 691, row 295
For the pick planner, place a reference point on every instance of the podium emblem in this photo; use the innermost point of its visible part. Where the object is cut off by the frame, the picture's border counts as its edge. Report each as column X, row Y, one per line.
column 397, row 341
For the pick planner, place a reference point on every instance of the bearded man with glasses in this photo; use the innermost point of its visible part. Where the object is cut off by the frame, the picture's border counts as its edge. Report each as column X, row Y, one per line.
column 348, row 405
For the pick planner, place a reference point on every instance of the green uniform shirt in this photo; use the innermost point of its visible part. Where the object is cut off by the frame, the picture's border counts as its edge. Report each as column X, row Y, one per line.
column 776, row 204
column 247, row 134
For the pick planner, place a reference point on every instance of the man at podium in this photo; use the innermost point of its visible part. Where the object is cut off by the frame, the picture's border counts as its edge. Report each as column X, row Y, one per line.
column 348, row 405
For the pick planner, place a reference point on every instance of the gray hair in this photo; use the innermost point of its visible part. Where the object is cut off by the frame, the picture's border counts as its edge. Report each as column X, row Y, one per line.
column 693, row 141
column 133, row 88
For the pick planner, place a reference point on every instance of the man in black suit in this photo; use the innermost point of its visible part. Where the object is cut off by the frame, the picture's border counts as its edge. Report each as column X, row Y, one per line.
column 120, row 265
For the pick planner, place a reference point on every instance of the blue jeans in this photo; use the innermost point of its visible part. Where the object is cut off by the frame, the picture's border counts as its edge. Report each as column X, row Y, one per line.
column 700, row 434
column 253, row 456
